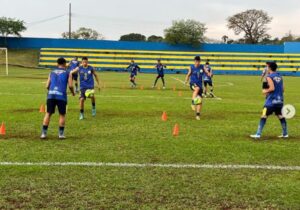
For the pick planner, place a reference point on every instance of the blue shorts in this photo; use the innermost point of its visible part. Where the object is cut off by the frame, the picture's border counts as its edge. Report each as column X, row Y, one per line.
column 132, row 75
column 75, row 77
column 194, row 85
column 160, row 75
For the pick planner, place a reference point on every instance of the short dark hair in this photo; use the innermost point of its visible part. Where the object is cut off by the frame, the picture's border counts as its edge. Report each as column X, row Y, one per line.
column 273, row 66
column 197, row 58
column 76, row 57
column 158, row 59
column 61, row 61
column 85, row 58
column 207, row 63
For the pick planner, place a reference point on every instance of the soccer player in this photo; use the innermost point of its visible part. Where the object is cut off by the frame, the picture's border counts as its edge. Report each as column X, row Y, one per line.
column 86, row 78
column 74, row 63
column 264, row 76
column 57, row 83
column 195, row 76
column 208, row 80
column 274, row 101
column 133, row 68
column 160, row 73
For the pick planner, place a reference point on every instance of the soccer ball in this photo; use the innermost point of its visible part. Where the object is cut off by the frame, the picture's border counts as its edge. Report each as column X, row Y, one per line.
column 197, row 100
column 89, row 93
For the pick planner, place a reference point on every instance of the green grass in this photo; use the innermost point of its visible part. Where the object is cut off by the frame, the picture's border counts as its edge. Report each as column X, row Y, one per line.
column 128, row 128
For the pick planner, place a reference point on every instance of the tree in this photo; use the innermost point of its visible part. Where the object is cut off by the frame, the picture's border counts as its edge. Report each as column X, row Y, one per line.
column 154, row 38
column 11, row 26
column 225, row 39
column 253, row 23
column 133, row 37
column 189, row 32
column 84, row 33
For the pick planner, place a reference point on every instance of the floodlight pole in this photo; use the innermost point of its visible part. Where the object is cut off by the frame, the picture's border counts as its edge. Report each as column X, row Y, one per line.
column 70, row 17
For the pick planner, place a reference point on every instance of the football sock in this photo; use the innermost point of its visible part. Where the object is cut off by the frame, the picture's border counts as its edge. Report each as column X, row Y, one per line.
column 261, row 126
column 284, row 126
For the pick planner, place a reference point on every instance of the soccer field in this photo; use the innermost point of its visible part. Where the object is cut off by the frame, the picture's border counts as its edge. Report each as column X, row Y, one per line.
column 128, row 129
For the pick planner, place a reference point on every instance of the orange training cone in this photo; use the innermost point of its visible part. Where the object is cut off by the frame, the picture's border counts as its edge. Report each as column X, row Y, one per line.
column 158, row 88
column 174, row 88
column 180, row 93
column 42, row 108
column 176, row 130
column 164, row 116
column 2, row 129
column 142, row 87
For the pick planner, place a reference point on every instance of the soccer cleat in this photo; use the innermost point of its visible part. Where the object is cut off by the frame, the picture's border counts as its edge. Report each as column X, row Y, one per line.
column 212, row 95
column 283, row 136
column 43, row 136
column 61, row 136
column 164, row 87
column 193, row 107
column 93, row 112
column 255, row 136
column 81, row 116
column 197, row 117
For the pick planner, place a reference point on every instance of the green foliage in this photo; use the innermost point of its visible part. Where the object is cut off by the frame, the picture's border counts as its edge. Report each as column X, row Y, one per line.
column 190, row 32
column 84, row 33
column 155, row 38
column 133, row 37
column 11, row 27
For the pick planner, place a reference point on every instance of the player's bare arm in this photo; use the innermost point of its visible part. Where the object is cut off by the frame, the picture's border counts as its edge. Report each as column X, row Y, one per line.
column 271, row 86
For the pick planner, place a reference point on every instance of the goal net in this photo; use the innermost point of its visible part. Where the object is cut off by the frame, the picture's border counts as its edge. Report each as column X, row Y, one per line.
column 3, row 61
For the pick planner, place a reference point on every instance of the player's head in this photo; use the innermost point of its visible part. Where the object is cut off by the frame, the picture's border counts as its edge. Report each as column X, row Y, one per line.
column 61, row 62
column 132, row 61
column 158, row 61
column 197, row 60
column 207, row 63
column 75, row 58
column 85, row 61
column 272, row 67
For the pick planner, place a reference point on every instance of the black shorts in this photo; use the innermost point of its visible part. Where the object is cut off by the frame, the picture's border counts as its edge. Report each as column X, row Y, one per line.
column 61, row 106
column 208, row 83
column 160, row 76
column 75, row 77
column 193, row 85
column 267, row 111
column 265, row 85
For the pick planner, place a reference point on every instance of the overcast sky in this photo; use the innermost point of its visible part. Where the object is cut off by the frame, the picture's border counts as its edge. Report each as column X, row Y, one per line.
column 114, row 18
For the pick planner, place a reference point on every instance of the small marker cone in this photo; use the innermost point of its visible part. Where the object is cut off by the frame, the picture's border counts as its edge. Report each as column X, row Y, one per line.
column 42, row 108
column 176, row 130
column 142, row 87
column 2, row 129
column 164, row 116
column 174, row 88
column 180, row 93
column 158, row 88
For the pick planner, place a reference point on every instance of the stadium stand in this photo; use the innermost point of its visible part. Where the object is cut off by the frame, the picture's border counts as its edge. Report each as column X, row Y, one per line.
column 176, row 61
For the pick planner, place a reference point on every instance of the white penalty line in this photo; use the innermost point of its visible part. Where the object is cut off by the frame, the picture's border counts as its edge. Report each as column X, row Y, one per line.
column 154, row 165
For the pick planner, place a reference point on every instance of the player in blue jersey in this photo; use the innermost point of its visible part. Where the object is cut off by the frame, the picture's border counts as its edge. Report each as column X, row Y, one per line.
column 160, row 73
column 74, row 63
column 274, row 101
column 133, row 69
column 57, row 84
column 195, row 76
column 86, row 78
column 207, row 80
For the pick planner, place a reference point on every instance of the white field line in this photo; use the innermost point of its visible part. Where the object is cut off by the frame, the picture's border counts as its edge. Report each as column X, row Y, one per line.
column 154, row 165
column 216, row 98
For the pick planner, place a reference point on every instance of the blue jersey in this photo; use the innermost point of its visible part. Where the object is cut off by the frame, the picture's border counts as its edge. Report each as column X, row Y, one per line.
column 86, row 77
column 160, row 69
column 74, row 64
column 196, row 75
column 206, row 77
column 275, row 98
column 58, row 84
column 133, row 68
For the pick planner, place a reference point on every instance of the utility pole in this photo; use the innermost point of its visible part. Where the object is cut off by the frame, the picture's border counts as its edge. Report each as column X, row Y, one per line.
column 70, row 17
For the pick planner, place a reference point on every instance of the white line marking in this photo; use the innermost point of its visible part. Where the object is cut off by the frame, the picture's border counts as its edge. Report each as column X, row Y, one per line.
column 181, row 81
column 153, row 165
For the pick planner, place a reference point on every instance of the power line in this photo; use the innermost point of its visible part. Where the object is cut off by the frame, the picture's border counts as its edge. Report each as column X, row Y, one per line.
column 45, row 20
